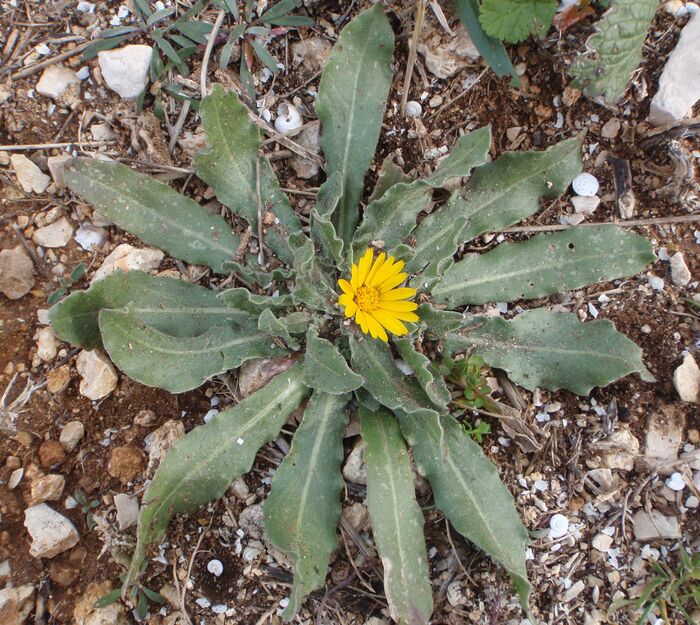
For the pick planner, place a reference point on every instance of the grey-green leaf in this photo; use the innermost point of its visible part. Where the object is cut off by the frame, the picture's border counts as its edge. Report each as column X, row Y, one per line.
column 429, row 379
column 199, row 467
column 553, row 350
column 172, row 306
column 351, row 99
column 470, row 151
column 322, row 229
column 325, row 368
column 389, row 175
column 244, row 300
column 614, row 52
column 397, row 520
column 439, row 322
column 303, row 508
column 284, row 327
column 313, row 286
column 497, row 195
column 468, row 490
column 373, row 360
column 152, row 211
column 179, row 364
column 545, row 264
column 231, row 163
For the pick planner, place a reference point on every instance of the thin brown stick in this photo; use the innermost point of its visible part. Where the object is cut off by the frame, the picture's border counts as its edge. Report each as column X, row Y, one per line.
column 459, row 95
column 207, row 52
column 412, row 52
column 630, row 223
column 261, row 251
column 49, row 146
column 33, row 69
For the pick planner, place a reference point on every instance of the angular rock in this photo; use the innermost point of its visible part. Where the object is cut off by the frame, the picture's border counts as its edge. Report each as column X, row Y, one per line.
column 51, row 532
column 679, row 85
column 16, row 604
column 309, row 139
column 91, row 237
column 57, row 166
column 64, row 570
column 85, row 612
column 127, row 510
column 125, row 70
column 680, row 274
column 70, row 436
column 59, row 83
column 585, row 204
column 128, row 258
column 663, row 439
column 686, row 379
column 610, row 129
column 654, row 526
column 240, row 489
column 58, row 379
column 444, row 60
column 29, row 176
column 46, row 344
column 102, row 132
column 99, row 378
column 312, row 52
column 354, row 469
column 602, row 542
column 51, row 454
column 125, row 463
column 256, row 373
column 56, row 234
column 357, row 516
column 160, row 441
column 618, row 450
column 47, row 488
column 16, row 273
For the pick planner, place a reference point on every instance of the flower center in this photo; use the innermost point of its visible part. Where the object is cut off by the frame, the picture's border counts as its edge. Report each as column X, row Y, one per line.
column 367, row 298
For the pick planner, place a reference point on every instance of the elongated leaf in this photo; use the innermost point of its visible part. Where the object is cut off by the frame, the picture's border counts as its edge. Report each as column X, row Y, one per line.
column 228, row 166
column 439, row 322
column 468, row 491
column 373, row 360
column 179, row 364
column 325, row 368
column 171, row 306
column 429, row 379
column 614, row 52
column 497, row 195
column 152, row 211
column 545, row 264
column 491, row 49
column 199, row 467
column 322, row 228
column 243, row 299
column 389, row 175
column 313, row 286
column 351, row 99
column 284, row 327
column 303, row 508
column 553, row 350
column 397, row 520
column 393, row 217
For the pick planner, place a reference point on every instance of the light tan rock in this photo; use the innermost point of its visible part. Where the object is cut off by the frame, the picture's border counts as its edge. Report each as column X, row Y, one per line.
column 56, row 166
column 51, row 532
column 312, row 52
column 48, row 488
column 654, row 526
column 680, row 274
column 617, row 451
column 58, row 379
column 664, row 434
column 354, row 469
column 29, row 176
column 128, row 258
column 99, row 378
column 127, row 510
column 56, row 234
column 85, row 612
column 160, row 441
column 16, row 273
column 686, row 379
column 46, row 344
column 445, row 58
column 16, row 604
column 70, row 436
column 60, row 84
column 125, row 463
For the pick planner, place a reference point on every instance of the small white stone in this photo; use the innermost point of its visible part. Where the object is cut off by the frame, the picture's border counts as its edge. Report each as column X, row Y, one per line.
column 51, row 532
column 129, row 258
column 70, row 436
column 558, row 526
column 15, row 478
column 56, row 234
column 83, row 72
column 413, row 109
column 656, row 283
column 585, row 204
column 91, row 237
column 680, row 274
column 125, row 70
column 354, row 469
column 86, row 7
column 692, row 502
column 57, row 167
column 585, row 184
column 288, row 119
column 127, row 510
column 215, row 567
column 203, row 602
column 675, row 482
column 602, row 542
column 46, row 344
column 55, row 82
column 686, row 379
column 29, row 176
column 610, row 129
column 102, row 132
column 99, row 378
column 573, row 592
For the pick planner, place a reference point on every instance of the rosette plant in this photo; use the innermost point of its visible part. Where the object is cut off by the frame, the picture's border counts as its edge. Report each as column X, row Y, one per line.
column 341, row 302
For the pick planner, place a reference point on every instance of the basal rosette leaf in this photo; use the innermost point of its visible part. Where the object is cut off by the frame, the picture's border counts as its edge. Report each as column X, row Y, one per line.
column 325, row 368
column 552, row 350
column 199, row 467
column 303, row 508
column 430, row 380
column 154, row 212
column 323, row 232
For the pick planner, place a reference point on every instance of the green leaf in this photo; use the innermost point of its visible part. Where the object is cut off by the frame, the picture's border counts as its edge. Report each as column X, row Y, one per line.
column 313, row 286
column 470, row 151
column 281, row 9
column 108, row 599
column 491, row 49
column 322, row 228
column 351, row 99
column 228, row 165
column 325, row 368
column 262, row 53
column 614, row 51
column 373, row 360
column 497, row 195
column 468, row 491
column 553, row 350
column 397, row 520
column 439, row 322
column 199, row 467
column 545, row 264
column 243, row 299
column 516, row 20
column 429, row 379
column 303, row 508
column 152, row 211
column 389, row 175
column 284, row 327
column 179, row 364
column 169, row 305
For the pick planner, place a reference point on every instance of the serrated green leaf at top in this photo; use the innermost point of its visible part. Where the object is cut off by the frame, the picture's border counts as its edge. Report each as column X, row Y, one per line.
column 516, row 20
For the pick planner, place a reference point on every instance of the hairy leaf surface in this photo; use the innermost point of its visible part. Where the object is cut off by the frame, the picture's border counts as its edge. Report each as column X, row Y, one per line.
column 545, row 264
column 468, row 490
column 322, row 229
column 516, row 20
column 497, row 195
column 199, row 467
column 179, row 364
column 351, row 100
column 303, row 508
column 154, row 212
column 430, row 380
column 231, row 163
column 325, row 368
column 313, row 286
column 169, row 305
column 614, row 52
column 389, row 175
column 243, row 299
column 552, row 350
column 397, row 520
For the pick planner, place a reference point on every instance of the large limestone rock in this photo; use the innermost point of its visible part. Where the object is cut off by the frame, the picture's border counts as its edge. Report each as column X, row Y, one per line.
column 51, row 532
column 16, row 273
column 29, row 176
column 125, row 70
column 99, row 378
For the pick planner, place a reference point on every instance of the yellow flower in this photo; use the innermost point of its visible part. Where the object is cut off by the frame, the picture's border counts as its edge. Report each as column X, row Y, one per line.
column 374, row 298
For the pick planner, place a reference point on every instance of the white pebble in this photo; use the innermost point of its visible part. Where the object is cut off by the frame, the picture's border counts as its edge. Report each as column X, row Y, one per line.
column 288, row 118
column 656, row 283
column 675, row 482
column 215, row 567
column 210, row 415
column 586, row 185
column 413, row 109
column 558, row 526
column 592, row 310
column 203, row 602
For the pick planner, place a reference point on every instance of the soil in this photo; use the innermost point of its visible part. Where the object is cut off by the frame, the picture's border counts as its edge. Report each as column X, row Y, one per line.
column 468, row 587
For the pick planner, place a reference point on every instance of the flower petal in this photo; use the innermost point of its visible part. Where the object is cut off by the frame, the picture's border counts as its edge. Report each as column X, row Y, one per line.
column 406, row 316
column 361, row 318
column 353, row 278
column 398, row 306
column 364, row 266
column 391, row 323
column 376, row 328
column 375, row 268
column 350, row 309
column 390, row 283
column 396, row 294
column 346, row 287
column 385, row 271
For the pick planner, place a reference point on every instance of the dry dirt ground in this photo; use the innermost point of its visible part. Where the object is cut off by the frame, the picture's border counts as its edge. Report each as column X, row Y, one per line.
column 561, row 462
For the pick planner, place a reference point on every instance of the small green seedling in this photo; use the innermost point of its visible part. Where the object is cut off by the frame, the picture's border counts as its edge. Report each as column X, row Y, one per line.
column 75, row 275
column 86, row 507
